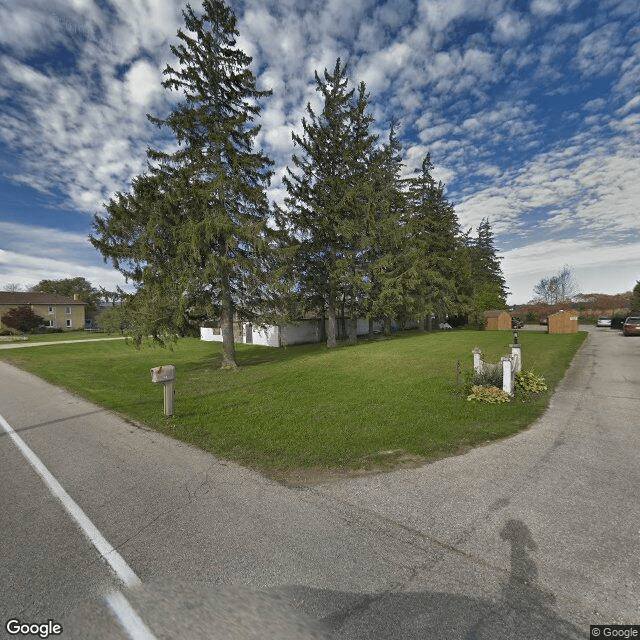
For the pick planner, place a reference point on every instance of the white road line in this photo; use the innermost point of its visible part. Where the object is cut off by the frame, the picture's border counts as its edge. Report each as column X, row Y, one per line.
column 131, row 622
column 115, row 560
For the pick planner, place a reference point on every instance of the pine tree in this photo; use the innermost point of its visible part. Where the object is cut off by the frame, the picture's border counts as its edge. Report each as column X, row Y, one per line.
column 192, row 234
column 384, row 233
column 488, row 283
column 361, row 197
column 431, row 233
column 328, row 198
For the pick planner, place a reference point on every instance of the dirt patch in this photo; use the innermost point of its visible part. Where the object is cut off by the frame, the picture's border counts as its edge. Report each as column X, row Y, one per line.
column 381, row 462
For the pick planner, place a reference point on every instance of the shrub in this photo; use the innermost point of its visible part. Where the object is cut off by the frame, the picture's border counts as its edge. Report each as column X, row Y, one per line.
column 491, row 395
column 530, row 382
column 490, row 376
column 23, row 319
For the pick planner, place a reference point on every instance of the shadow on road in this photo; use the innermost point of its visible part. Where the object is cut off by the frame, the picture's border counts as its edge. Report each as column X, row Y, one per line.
column 522, row 613
column 56, row 421
column 175, row 609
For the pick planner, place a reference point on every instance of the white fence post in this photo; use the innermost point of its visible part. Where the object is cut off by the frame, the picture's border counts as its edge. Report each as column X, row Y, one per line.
column 516, row 353
column 477, row 360
column 508, row 374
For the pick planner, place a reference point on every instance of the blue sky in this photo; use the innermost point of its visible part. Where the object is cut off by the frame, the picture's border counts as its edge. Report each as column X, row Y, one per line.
column 530, row 110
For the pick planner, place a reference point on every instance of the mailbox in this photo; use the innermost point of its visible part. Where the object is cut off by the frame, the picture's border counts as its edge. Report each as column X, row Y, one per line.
column 165, row 373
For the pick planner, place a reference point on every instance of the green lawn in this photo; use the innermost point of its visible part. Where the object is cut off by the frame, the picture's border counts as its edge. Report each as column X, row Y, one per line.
column 376, row 405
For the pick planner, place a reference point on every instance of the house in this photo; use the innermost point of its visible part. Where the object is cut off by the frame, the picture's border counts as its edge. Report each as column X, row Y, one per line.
column 302, row 332
column 563, row 322
column 58, row 311
column 497, row 320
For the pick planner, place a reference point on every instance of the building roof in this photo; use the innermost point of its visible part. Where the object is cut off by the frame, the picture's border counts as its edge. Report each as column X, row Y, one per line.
column 22, row 298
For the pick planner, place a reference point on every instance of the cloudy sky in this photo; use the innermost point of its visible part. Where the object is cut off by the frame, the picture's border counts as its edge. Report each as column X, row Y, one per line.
column 530, row 110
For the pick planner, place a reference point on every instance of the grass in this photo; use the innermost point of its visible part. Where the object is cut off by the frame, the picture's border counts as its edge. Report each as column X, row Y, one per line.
column 291, row 411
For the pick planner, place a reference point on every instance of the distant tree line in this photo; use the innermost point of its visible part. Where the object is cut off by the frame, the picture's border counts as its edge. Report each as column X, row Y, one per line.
column 354, row 236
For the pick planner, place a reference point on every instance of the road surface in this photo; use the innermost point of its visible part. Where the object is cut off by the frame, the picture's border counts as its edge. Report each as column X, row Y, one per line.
column 534, row 537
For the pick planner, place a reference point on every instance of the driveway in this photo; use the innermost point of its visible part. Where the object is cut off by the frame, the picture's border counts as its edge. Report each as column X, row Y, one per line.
column 532, row 537
column 23, row 345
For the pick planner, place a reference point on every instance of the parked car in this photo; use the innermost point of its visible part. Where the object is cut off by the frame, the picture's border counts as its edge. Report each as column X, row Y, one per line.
column 516, row 323
column 631, row 326
column 603, row 322
column 544, row 320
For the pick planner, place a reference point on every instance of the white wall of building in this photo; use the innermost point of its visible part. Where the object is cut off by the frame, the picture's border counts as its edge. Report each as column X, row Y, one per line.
column 303, row 332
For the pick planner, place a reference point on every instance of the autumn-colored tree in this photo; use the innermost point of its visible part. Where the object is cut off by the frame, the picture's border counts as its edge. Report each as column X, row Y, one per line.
column 635, row 301
column 23, row 319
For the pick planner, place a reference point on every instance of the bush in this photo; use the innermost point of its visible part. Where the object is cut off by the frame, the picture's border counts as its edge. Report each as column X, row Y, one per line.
column 491, row 395
column 491, row 376
column 23, row 319
column 530, row 382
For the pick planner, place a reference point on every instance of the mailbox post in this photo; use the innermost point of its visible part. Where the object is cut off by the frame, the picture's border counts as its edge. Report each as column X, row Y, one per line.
column 166, row 375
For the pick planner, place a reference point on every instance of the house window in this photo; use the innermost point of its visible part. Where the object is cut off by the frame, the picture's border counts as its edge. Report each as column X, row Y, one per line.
column 50, row 323
column 68, row 324
column 67, row 310
column 50, row 308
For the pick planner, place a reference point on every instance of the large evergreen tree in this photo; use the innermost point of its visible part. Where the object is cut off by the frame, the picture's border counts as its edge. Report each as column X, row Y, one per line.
column 384, row 233
column 431, row 239
column 328, row 198
column 192, row 234
column 489, row 290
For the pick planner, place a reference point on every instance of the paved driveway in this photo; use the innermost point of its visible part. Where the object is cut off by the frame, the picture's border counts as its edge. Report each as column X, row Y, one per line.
column 533, row 537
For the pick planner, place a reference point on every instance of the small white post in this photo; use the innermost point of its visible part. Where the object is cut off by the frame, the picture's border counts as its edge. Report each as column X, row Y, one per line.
column 516, row 352
column 507, row 374
column 477, row 360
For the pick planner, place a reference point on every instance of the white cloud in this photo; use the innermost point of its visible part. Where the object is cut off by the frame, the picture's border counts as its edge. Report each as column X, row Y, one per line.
column 511, row 26
column 632, row 104
column 600, row 51
column 29, row 254
column 142, row 82
column 545, row 7
column 457, row 73
column 28, row 269
column 598, row 266
column 438, row 14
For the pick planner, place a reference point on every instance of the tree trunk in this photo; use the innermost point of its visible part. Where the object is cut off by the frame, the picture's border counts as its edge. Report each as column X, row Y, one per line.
column 370, row 328
column 353, row 328
column 331, row 325
column 353, row 320
column 228, row 343
column 430, row 324
column 387, row 326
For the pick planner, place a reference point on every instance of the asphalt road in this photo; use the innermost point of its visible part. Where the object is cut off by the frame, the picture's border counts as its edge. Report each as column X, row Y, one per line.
column 533, row 537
